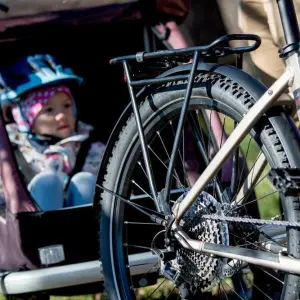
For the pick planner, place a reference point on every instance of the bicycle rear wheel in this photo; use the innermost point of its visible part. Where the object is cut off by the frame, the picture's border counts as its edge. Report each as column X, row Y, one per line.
column 125, row 230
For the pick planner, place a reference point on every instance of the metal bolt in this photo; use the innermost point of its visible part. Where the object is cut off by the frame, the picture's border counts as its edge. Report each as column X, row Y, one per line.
column 143, row 282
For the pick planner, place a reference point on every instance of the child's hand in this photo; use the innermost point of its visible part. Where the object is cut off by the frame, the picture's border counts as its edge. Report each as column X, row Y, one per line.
column 55, row 163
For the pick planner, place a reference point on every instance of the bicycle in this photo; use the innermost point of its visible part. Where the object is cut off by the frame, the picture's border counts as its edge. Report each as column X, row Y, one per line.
column 213, row 229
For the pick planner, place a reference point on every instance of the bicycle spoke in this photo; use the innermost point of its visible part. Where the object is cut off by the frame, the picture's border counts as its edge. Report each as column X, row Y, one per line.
column 232, row 290
column 141, row 223
column 171, row 293
column 241, row 284
column 209, row 133
column 249, row 243
column 205, row 155
column 235, row 166
column 255, row 200
column 174, row 175
column 224, row 292
column 136, row 184
column 180, row 156
column 262, row 291
column 144, row 171
column 200, row 128
column 136, row 206
column 157, row 288
column 158, row 133
column 244, row 164
column 244, row 189
column 270, row 275
column 252, row 188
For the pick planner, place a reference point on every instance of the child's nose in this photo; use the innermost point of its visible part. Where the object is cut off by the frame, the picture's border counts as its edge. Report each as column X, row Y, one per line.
column 60, row 116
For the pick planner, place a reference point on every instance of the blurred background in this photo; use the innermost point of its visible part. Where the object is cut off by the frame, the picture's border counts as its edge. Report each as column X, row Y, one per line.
column 88, row 44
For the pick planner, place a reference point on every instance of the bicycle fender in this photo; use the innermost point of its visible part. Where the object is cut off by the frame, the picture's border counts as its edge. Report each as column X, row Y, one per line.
column 282, row 123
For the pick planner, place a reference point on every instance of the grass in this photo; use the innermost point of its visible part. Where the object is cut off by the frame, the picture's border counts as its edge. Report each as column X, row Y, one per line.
column 149, row 292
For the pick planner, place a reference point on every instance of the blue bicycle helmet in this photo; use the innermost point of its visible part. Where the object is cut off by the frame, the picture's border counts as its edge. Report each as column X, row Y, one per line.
column 32, row 72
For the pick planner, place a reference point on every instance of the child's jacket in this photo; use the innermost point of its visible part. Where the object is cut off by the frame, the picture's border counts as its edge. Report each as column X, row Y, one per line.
column 60, row 157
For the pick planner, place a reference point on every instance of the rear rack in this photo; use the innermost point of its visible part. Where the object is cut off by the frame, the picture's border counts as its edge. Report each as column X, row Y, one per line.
column 215, row 49
column 149, row 65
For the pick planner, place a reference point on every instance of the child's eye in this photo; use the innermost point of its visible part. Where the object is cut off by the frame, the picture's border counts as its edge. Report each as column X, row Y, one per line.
column 67, row 105
column 48, row 110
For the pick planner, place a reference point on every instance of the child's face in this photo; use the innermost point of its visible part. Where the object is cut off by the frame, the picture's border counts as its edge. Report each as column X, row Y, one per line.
column 56, row 117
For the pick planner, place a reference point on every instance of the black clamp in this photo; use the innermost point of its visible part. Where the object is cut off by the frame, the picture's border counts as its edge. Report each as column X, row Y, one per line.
column 287, row 49
column 140, row 56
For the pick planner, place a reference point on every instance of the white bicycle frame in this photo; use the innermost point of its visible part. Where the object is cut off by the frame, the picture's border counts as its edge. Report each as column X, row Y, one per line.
column 289, row 79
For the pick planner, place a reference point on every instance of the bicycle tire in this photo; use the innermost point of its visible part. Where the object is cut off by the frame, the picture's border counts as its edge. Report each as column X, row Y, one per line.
column 210, row 90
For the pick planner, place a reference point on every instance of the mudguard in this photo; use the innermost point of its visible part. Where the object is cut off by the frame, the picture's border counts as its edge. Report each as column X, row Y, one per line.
column 254, row 87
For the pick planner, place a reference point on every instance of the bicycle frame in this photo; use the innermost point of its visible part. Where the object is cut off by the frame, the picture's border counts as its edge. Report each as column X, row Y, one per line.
column 289, row 79
column 242, row 129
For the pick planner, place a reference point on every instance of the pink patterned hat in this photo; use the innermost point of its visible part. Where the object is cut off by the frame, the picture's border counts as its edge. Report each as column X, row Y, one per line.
column 27, row 110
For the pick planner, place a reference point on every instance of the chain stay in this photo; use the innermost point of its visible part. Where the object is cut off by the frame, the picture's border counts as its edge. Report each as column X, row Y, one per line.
column 250, row 220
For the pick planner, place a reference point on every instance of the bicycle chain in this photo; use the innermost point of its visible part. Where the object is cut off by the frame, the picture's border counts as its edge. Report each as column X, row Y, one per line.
column 250, row 220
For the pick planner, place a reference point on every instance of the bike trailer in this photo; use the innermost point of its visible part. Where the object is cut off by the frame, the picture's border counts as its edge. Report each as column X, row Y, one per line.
column 57, row 251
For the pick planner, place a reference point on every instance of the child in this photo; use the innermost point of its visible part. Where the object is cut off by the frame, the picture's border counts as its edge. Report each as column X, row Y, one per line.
column 56, row 152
